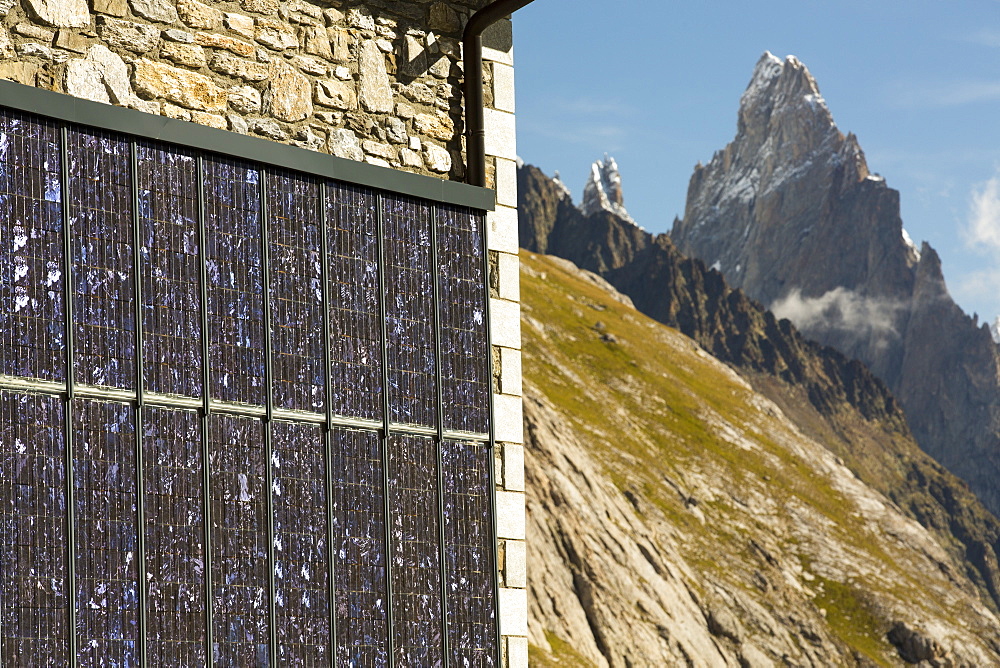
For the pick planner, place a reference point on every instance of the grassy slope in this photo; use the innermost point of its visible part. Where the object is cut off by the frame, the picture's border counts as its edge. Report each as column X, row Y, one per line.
column 651, row 404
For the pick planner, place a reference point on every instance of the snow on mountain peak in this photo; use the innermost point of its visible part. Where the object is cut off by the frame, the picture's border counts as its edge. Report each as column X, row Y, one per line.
column 768, row 69
column 603, row 191
column 995, row 329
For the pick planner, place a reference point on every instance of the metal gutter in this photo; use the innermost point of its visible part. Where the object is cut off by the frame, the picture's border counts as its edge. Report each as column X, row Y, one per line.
column 67, row 108
column 472, row 53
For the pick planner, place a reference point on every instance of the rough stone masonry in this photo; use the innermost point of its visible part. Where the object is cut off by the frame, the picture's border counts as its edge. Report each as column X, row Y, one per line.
column 373, row 81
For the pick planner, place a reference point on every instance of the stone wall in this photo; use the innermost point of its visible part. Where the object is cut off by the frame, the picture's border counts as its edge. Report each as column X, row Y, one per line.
column 378, row 81
column 505, row 330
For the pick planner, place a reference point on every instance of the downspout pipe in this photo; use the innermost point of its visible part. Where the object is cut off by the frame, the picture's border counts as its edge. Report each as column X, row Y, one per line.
column 475, row 124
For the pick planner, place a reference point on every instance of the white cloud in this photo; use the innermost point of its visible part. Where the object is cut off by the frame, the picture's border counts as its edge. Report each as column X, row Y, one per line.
column 839, row 309
column 983, row 229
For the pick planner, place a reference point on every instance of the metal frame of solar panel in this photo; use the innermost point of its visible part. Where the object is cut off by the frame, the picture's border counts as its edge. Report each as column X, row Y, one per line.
column 244, row 410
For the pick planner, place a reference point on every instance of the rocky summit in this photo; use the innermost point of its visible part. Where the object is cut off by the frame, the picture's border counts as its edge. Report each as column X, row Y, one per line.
column 677, row 516
column 835, row 400
column 790, row 213
column 603, row 191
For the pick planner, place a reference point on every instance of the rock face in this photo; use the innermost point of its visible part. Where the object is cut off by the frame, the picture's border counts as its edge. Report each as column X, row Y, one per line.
column 836, row 399
column 790, row 213
column 676, row 516
column 603, row 191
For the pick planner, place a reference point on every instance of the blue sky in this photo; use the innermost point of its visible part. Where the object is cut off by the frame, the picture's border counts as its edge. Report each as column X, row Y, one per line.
column 657, row 85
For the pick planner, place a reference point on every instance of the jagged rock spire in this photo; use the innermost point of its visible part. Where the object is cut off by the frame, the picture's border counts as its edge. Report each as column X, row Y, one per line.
column 603, row 191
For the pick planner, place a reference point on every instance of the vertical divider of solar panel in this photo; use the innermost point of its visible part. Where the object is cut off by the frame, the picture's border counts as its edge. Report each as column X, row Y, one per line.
column 386, row 501
column 331, row 555
column 139, row 391
column 492, row 442
column 442, row 551
column 68, row 317
column 206, row 450
column 265, row 271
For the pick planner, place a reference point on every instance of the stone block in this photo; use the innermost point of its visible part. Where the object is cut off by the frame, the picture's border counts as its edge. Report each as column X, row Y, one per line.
column 503, row 87
column 137, row 37
column 265, row 7
column 505, row 323
column 501, row 229
column 189, row 55
column 513, row 609
column 375, row 92
column 268, row 128
column 289, row 94
column 515, row 564
column 198, row 14
column 509, row 276
column 275, row 34
column 340, row 44
column 60, row 13
column 237, row 46
column 316, row 40
column 37, row 32
column 509, row 420
column 438, row 159
column 501, row 137
column 248, row 70
column 395, row 130
column 497, row 56
column 110, row 7
column 378, row 149
column 336, row 94
column 444, row 18
column 211, row 120
column 437, row 126
column 513, row 466
column 188, row 89
column 162, row 11
column 182, row 36
column 240, row 24
column 517, row 652
column 506, row 182
column 510, row 372
column 510, row 515
column 410, row 158
column 245, row 99
column 344, row 143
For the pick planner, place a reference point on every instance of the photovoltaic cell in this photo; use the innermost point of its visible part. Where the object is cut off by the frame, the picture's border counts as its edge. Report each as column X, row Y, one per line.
column 35, row 593
column 416, row 574
column 235, row 281
column 171, row 299
column 105, row 533
column 100, row 196
column 302, row 590
column 240, row 629
column 409, row 309
column 359, row 549
column 296, row 292
column 464, row 349
column 34, row 615
column 174, row 530
column 355, row 324
column 31, row 249
column 469, row 564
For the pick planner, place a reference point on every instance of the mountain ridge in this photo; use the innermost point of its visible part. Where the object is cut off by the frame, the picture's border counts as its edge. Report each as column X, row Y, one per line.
column 678, row 517
column 790, row 213
column 843, row 400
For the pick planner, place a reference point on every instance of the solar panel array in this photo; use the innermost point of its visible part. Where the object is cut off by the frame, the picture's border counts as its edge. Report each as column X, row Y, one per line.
column 244, row 413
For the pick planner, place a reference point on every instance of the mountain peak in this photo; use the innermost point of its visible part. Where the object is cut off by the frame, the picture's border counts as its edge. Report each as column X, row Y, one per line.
column 603, row 191
column 995, row 329
column 778, row 87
